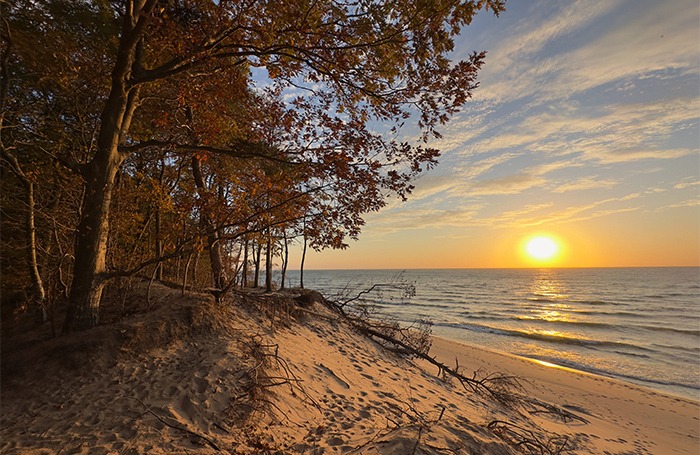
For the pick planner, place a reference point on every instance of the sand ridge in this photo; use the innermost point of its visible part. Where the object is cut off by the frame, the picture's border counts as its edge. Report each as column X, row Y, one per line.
column 190, row 376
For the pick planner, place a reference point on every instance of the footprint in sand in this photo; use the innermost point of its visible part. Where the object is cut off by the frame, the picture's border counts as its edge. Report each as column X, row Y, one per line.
column 201, row 385
column 337, row 379
column 335, row 441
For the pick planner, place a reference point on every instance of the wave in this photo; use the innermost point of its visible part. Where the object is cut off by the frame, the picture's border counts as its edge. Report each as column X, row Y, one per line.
column 547, row 337
column 652, row 328
column 612, row 313
column 600, row 325
column 614, row 374
column 685, row 349
column 598, row 302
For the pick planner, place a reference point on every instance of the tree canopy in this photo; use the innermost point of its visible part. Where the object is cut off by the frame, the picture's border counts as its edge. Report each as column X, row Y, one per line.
column 155, row 130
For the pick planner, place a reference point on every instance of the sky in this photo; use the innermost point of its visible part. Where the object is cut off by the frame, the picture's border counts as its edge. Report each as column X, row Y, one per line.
column 585, row 129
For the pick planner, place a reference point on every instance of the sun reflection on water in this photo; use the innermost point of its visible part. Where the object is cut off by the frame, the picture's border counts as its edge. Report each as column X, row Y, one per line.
column 546, row 285
column 551, row 295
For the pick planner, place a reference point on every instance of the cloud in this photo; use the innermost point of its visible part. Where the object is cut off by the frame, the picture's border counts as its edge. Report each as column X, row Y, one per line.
column 518, row 66
column 550, row 214
column 473, row 169
column 587, row 183
column 576, row 96
column 512, row 184
column 657, row 37
column 687, row 183
column 387, row 222
column 687, row 203
column 564, row 48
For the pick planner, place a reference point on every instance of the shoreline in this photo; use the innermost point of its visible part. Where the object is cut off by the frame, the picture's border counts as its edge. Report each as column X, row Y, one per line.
column 638, row 327
column 617, row 410
column 572, row 370
column 671, row 389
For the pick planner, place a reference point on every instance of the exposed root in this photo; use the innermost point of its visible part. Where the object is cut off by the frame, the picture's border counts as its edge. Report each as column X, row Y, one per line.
column 529, row 442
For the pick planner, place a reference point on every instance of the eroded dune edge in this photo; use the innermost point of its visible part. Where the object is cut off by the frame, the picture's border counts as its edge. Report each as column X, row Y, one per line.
column 259, row 374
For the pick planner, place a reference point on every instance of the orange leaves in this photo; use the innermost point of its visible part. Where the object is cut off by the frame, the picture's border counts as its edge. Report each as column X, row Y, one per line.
column 202, row 156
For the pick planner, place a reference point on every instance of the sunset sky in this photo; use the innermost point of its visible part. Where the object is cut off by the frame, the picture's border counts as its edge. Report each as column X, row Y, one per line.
column 585, row 128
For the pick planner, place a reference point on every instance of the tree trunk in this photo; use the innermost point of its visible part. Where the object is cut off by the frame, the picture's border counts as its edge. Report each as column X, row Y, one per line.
column 38, row 295
column 159, row 245
column 91, row 243
column 100, row 173
column 258, row 253
column 159, row 239
column 194, row 269
column 301, row 268
column 244, row 273
column 218, row 274
column 285, row 258
column 38, row 291
column 268, row 264
column 184, row 275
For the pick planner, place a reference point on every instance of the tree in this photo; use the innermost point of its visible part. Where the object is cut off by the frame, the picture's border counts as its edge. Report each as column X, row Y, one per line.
column 355, row 63
column 37, row 127
column 38, row 292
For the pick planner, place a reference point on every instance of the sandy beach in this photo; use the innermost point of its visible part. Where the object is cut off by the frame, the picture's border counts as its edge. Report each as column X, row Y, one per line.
column 622, row 417
column 262, row 376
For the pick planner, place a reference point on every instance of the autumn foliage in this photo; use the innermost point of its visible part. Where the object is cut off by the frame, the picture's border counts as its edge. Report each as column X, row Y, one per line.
column 184, row 139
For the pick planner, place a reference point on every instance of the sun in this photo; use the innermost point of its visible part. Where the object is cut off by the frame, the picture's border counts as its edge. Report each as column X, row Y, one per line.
column 542, row 248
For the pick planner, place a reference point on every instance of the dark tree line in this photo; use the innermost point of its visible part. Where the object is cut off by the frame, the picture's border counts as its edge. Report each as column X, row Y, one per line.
column 174, row 136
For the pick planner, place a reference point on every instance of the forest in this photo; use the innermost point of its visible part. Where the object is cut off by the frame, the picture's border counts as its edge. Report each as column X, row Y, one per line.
column 194, row 141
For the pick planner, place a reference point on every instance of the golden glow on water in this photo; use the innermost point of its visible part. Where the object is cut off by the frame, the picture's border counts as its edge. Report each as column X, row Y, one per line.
column 548, row 291
column 547, row 364
column 546, row 285
column 553, row 316
column 558, row 367
column 549, row 333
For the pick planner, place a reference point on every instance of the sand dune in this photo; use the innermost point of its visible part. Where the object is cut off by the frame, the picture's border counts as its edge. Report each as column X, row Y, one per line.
column 192, row 377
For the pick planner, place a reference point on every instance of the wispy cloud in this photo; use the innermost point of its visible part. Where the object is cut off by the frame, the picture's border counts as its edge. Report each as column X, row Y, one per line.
column 512, row 184
column 686, row 203
column 550, row 215
column 583, row 184
column 687, row 183
column 583, row 107
column 569, row 47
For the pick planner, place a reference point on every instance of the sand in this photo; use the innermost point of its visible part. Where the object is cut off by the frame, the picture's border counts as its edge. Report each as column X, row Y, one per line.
column 623, row 417
column 254, row 376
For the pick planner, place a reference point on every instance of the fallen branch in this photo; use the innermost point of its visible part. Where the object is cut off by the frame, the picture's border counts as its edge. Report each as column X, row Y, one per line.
column 540, row 407
column 498, row 386
column 178, row 427
column 525, row 439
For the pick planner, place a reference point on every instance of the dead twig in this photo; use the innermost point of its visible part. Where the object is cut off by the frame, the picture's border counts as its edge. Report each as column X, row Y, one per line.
column 540, row 407
column 178, row 427
column 527, row 440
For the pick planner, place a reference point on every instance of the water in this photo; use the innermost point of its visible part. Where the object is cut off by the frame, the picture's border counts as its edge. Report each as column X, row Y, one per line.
column 641, row 325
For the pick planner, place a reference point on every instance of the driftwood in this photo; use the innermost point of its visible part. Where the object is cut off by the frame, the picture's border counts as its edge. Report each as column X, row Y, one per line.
column 505, row 389
column 499, row 386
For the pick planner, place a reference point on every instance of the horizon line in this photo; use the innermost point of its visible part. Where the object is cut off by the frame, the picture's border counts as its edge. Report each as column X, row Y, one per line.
column 505, row 268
